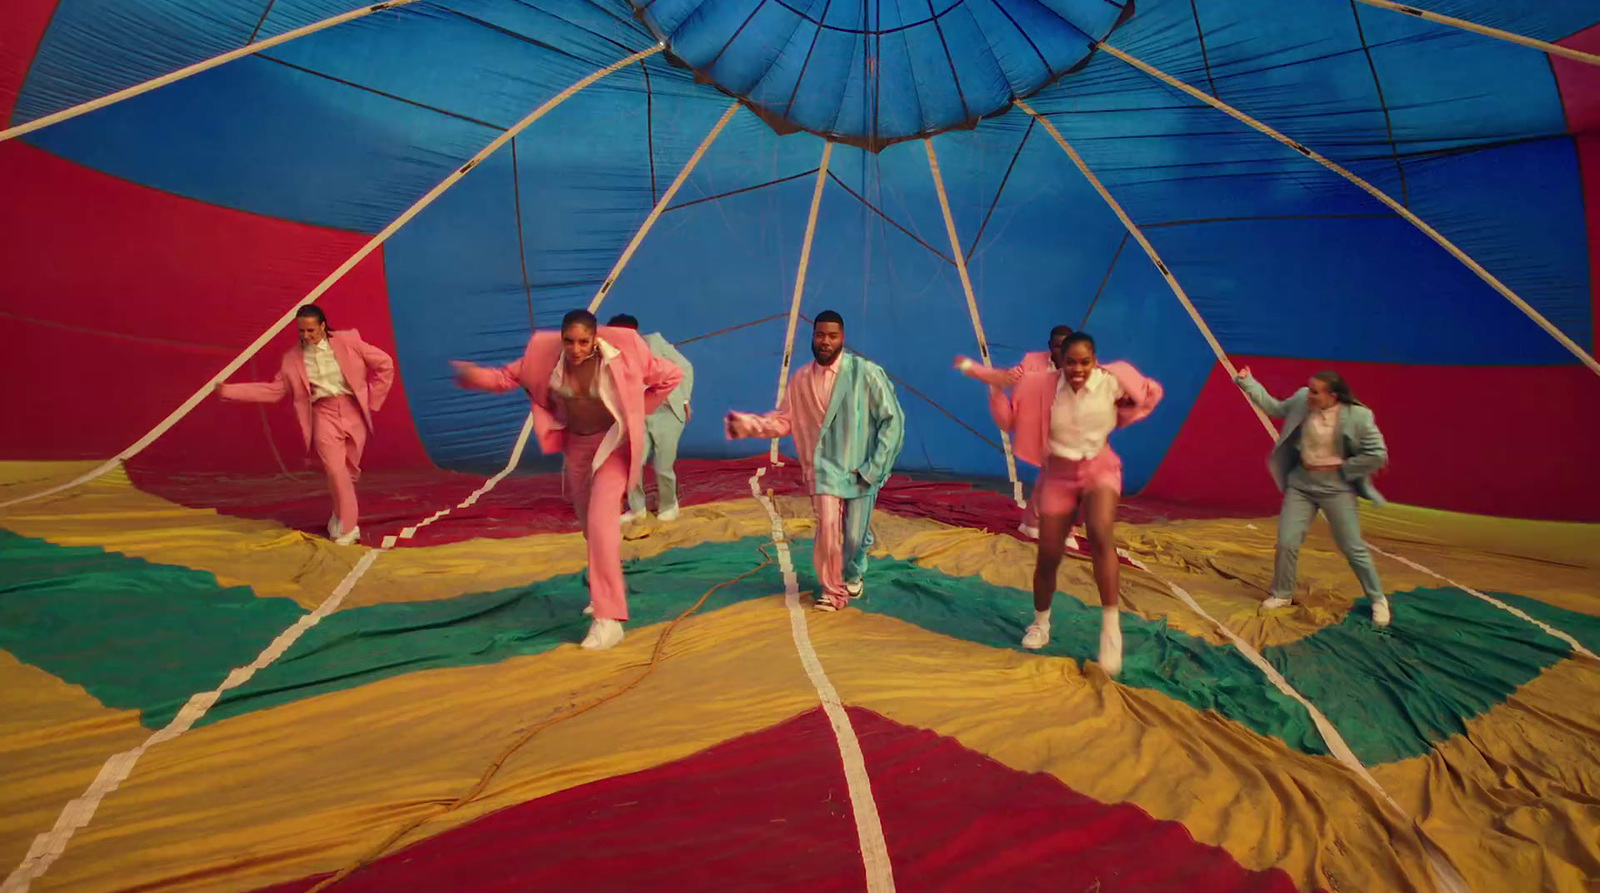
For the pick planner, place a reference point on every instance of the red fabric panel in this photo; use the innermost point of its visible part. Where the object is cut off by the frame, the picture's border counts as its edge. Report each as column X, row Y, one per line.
column 1580, row 97
column 1539, row 467
column 149, row 294
column 1579, row 82
column 769, row 812
column 533, row 503
column 25, row 24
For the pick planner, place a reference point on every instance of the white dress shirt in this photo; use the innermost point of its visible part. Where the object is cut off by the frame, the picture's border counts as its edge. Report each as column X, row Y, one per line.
column 322, row 370
column 1081, row 421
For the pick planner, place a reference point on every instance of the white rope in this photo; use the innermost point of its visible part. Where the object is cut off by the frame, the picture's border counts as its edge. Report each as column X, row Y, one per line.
column 332, row 278
column 1149, row 249
column 960, row 256
column 869, row 825
column 1553, row 49
column 84, row 108
column 800, row 282
column 1373, row 191
column 661, row 205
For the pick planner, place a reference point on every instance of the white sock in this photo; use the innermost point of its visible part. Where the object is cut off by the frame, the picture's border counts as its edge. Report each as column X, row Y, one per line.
column 1042, row 617
column 1111, row 623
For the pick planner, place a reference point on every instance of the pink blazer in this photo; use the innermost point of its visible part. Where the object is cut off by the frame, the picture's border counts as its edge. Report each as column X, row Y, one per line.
column 1035, row 361
column 1026, row 412
column 642, row 379
column 367, row 370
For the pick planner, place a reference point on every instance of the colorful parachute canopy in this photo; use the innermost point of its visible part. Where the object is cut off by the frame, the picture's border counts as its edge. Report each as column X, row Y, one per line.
column 148, row 242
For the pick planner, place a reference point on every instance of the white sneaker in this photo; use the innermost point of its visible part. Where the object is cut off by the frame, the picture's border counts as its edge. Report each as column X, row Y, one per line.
column 1380, row 613
column 854, row 589
column 630, row 517
column 670, row 514
column 1037, row 636
column 353, row 538
column 1028, row 531
column 603, row 634
column 333, row 527
column 1275, row 602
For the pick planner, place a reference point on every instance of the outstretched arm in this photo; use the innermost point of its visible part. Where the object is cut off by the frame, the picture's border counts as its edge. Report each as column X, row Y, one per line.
column 485, row 378
column 999, row 378
column 888, row 422
column 1259, row 396
column 256, row 391
column 380, row 374
column 660, row 377
column 768, row 426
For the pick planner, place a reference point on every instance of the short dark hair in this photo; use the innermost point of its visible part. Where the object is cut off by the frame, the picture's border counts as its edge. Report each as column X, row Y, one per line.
column 579, row 317
column 828, row 316
column 1079, row 338
column 1062, row 331
column 624, row 320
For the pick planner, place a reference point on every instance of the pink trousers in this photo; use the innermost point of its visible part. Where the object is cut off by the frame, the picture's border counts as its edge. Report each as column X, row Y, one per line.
column 340, row 434
column 596, row 495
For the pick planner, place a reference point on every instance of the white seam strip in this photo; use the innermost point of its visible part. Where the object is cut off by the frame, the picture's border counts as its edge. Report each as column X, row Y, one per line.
column 1445, row 873
column 1574, row 644
column 48, row 847
column 869, row 828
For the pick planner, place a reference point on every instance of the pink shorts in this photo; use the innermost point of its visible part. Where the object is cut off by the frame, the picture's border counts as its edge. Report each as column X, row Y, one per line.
column 1062, row 481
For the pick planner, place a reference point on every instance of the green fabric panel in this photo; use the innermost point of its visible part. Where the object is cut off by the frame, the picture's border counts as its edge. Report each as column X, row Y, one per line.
column 1583, row 627
column 1445, row 659
column 136, row 635
column 362, row 645
column 1155, row 656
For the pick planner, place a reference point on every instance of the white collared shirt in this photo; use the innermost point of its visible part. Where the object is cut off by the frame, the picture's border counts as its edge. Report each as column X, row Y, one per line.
column 1318, row 438
column 1081, row 421
column 608, row 397
column 323, row 372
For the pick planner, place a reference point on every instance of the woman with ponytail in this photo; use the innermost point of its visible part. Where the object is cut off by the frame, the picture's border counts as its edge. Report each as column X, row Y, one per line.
column 1324, row 458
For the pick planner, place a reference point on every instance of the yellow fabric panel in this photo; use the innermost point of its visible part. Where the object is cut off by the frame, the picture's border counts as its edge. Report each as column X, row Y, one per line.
column 425, row 573
column 1266, row 805
column 1516, row 800
column 111, row 513
column 307, row 787
column 54, row 736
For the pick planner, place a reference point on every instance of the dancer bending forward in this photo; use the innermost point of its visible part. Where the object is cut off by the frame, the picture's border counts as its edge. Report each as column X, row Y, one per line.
column 591, row 389
column 1325, row 456
column 338, row 381
column 1060, row 422
column 848, row 429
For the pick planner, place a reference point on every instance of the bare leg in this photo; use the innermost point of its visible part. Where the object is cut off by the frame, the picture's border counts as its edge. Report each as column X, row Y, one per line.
column 1100, row 509
column 1100, row 517
column 1053, row 529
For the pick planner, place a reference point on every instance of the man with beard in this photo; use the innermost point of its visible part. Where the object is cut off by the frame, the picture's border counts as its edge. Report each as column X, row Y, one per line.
column 848, row 429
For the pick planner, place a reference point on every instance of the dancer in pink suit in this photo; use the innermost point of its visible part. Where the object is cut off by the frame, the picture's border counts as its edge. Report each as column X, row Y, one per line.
column 338, row 381
column 1038, row 361
column 1060, row 422
column 591, row 389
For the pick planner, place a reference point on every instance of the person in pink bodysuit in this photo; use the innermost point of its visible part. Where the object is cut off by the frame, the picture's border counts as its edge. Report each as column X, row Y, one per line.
column 591, row 388
column 337, row 381
column 1062, row 422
